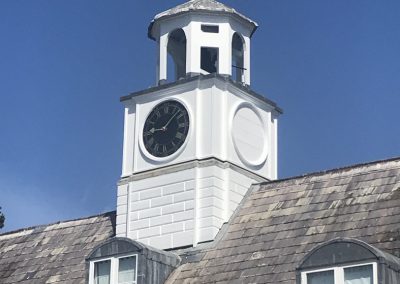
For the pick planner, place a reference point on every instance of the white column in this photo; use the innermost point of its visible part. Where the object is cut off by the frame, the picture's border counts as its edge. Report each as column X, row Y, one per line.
column 158, row 62
column 129, row 139
column 225, row 50
column 274, row 163
column 247, row 61
column 193, row 48
column 163, row 55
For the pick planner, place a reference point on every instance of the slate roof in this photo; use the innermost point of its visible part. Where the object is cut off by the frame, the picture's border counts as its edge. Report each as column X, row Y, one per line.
column 275, row 226
column 279, row 222
column 199, row 6
column 52, row 253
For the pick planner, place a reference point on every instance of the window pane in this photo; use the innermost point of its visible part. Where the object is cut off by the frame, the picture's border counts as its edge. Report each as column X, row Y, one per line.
column 127, row 270
column 358, row 275
column 102, row 272
column 323, row 277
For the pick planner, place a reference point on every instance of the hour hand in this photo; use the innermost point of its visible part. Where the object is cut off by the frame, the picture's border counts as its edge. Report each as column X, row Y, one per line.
column 156, row 129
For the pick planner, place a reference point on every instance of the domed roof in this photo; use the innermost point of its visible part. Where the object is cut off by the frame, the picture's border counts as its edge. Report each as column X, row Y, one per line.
column 199, row 6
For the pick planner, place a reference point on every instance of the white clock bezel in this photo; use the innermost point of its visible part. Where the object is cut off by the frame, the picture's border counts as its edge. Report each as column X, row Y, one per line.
column 264, row 155
column 171, row 157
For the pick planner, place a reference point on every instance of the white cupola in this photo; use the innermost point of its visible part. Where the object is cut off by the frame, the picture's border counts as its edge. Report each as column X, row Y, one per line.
column 202, row 37
column 196, row 142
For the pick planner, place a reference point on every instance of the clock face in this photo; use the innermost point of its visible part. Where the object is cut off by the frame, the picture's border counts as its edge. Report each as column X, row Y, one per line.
column 166, row 128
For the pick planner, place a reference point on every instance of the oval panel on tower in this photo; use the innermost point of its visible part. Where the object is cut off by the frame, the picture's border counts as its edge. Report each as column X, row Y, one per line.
column 249, row 135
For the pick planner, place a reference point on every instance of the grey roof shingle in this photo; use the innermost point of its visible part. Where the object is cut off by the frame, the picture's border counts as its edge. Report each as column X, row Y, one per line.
column 52, row 253
column 276, row 225
column 281, row 221
column 199, row 5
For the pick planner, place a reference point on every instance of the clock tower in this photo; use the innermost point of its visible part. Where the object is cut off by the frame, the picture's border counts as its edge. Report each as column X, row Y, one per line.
column 196, row 141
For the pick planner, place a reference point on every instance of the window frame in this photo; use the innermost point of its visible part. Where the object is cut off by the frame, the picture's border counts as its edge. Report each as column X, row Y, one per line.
column 114, row 265
column 338, row 272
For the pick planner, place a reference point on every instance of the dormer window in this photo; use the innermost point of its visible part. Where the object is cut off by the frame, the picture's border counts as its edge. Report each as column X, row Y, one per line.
column 115, row 270
column 352, row 274
column 124, row 261
column 346, row 261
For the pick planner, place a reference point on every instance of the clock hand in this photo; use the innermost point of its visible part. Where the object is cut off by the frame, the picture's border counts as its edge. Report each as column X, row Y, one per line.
column 169, row 121
column 157, row 129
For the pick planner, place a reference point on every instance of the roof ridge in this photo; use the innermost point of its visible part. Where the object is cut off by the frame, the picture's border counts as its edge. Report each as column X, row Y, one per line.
column 334, row 170
column 189, row 6
column 56, row 223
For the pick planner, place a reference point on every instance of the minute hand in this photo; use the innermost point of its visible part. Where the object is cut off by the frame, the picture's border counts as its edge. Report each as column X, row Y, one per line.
column 169, row 121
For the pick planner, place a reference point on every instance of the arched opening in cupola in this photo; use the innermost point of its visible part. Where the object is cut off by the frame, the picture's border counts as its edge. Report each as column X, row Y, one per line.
column 238, row 58
column 176, row 55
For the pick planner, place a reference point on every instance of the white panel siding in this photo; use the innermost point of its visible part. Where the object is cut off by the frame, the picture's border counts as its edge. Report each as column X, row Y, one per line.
column 169, row 216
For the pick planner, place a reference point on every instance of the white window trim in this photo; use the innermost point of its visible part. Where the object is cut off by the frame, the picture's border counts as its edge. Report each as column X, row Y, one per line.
column 338, row 272
column 113, row 269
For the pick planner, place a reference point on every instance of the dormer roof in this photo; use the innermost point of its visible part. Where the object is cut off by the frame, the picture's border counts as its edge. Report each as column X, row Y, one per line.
column 208, row 6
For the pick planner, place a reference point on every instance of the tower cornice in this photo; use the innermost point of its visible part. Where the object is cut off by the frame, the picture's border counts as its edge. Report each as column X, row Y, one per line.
column 200, row 77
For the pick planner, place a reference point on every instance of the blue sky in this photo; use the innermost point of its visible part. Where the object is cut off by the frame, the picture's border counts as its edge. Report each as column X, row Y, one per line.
column 333, row 66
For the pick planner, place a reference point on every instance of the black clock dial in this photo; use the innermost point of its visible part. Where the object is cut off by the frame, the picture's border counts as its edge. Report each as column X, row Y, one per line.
column 166, row 128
